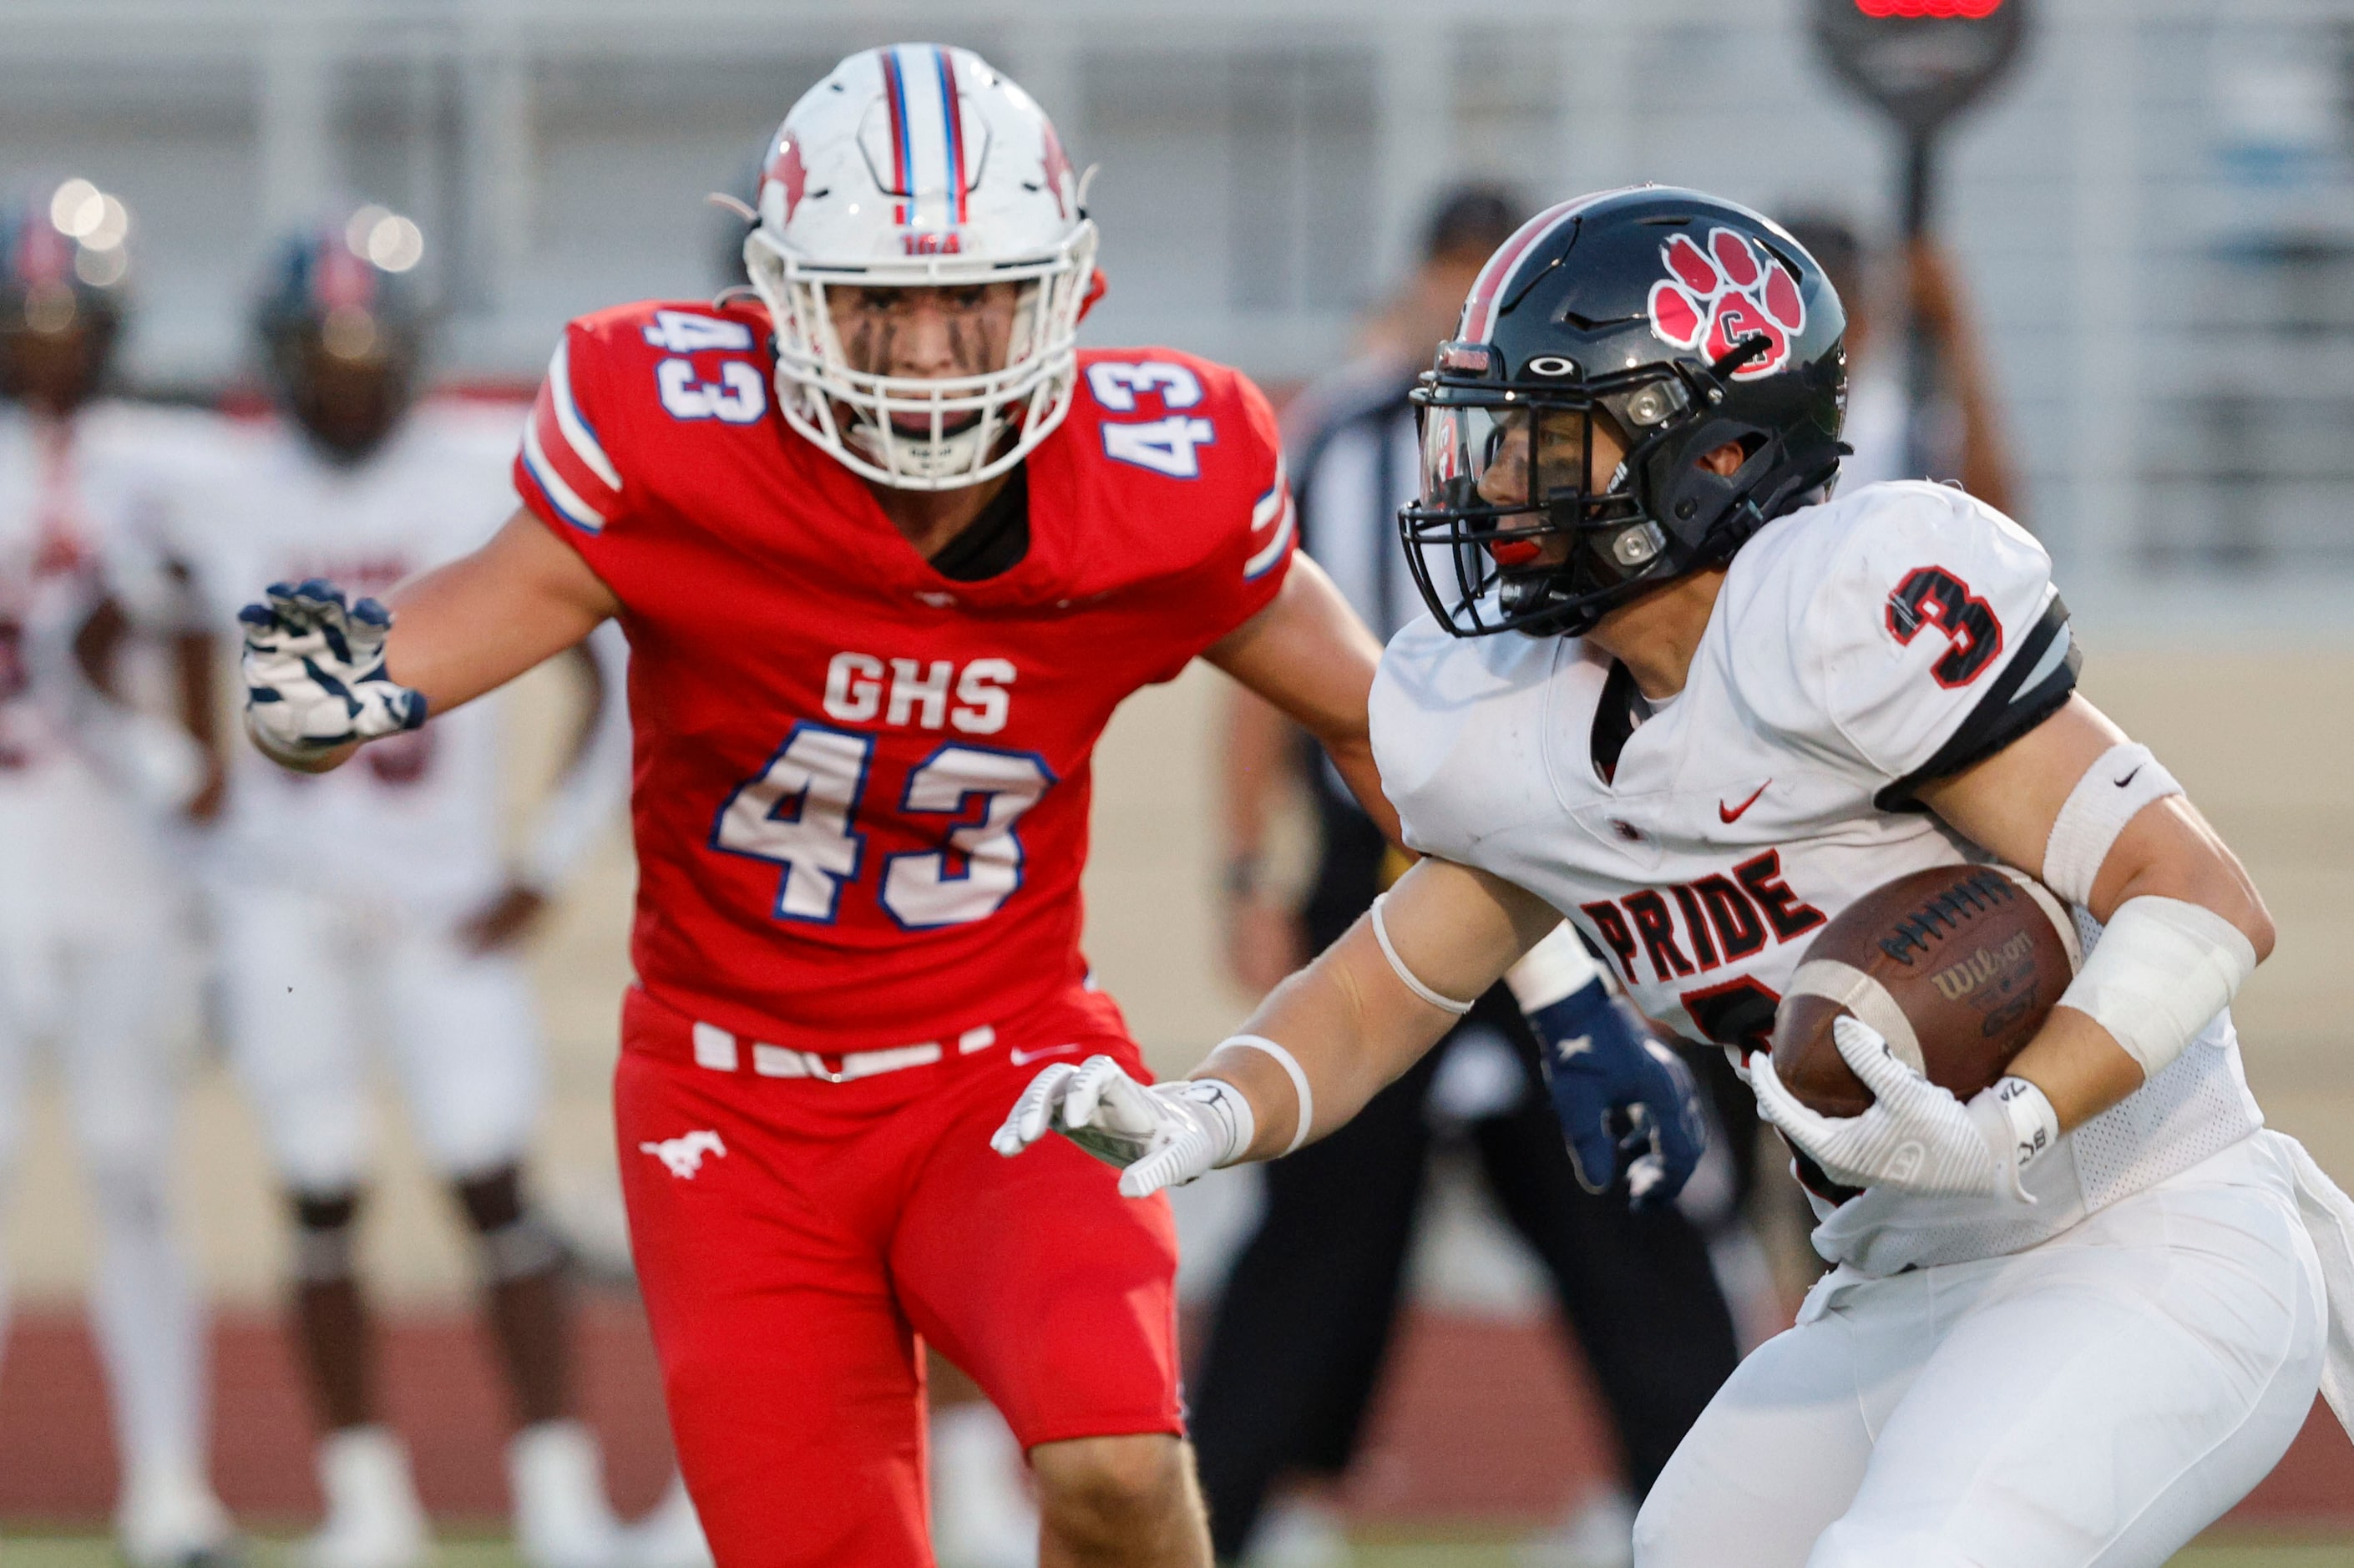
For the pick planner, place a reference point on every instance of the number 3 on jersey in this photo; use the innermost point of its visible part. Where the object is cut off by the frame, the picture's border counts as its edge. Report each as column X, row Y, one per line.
column 799, row 812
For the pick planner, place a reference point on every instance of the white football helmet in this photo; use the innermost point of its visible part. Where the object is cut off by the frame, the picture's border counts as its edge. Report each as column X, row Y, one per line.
column 919, row 165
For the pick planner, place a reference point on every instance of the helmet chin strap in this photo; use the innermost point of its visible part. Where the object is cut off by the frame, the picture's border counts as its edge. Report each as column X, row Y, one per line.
column 1741, row 354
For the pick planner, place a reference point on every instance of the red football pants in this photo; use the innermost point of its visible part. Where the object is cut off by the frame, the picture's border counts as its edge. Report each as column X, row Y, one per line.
column 790, row 1258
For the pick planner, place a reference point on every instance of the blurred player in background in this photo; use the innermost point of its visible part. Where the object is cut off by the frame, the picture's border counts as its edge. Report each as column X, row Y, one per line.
column 875, row 632
column 377, row 908
column 1306, row 1318
column 88, row 926
column 1673, row 688
column 1957, row 435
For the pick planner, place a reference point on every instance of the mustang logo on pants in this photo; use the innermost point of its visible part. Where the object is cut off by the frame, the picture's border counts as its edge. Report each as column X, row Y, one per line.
column 685, row 1155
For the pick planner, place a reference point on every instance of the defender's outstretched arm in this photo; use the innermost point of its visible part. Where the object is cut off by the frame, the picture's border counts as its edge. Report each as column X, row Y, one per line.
column 322, row 677
column 475, row 623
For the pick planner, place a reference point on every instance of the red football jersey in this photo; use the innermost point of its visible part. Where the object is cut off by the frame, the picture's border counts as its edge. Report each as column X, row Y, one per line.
column 861, row 792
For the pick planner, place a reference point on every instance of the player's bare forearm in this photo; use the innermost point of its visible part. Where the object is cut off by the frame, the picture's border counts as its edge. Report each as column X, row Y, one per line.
column 1352, row 1023
column 2007, row 804
column 477, row 623
column 1309, row 655
column 1352, row 757
column 1255, row 769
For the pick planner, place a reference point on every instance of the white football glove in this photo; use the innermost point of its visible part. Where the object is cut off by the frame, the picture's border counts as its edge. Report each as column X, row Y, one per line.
column 1162, row 1136
column 1916, row 1136
column 314, row 674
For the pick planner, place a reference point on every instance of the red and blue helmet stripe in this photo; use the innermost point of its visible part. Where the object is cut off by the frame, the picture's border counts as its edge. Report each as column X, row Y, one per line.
column 954, row 121
column 902, row 174
column 902, row 65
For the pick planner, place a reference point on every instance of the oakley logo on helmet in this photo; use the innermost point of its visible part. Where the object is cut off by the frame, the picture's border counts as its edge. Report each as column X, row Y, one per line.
column 1712, row 300
column 1551, row 364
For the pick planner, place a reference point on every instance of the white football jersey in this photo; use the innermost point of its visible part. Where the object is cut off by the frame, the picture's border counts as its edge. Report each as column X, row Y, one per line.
column 1858, row 649
column 71, row 823
column 415, row 821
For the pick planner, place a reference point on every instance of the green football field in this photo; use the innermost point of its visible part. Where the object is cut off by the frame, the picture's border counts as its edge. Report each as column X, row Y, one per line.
column 96, row 1551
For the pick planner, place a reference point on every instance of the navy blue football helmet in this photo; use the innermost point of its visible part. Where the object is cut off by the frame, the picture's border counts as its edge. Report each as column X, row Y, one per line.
column 1673, row 323
column 343, row 329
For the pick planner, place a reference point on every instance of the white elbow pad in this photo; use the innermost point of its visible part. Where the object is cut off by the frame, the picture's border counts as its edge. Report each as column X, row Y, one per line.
column 2121, row 781
column 2161, row 971
column 1557, row 967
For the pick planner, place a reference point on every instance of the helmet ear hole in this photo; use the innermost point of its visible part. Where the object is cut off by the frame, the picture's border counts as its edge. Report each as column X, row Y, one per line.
column 1725, row 458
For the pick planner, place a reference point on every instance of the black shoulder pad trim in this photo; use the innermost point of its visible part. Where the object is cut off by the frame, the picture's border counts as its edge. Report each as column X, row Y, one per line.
column 2005, row 712
column 1616, row 716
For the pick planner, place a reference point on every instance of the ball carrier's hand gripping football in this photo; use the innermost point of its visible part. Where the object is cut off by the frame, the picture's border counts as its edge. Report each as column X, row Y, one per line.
column 314, row 677
column 1915, row 1135
column 1620, row 1094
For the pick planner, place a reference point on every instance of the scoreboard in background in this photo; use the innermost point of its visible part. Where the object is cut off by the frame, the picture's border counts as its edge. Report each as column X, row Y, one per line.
column 1920, row 62
column 1969, row 9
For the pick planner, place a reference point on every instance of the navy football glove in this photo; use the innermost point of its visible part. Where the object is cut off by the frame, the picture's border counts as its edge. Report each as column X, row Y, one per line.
column 1625, row 1100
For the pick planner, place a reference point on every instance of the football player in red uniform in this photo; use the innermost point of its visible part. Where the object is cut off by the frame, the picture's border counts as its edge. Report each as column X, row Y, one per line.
column 875, row 632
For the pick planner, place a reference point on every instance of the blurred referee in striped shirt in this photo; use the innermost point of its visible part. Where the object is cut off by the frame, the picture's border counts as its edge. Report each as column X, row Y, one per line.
column 1299, row 1334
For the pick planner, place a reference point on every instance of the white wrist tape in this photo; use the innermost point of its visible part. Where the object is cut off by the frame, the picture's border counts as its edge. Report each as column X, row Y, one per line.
column 1290, row 1065
column 1413, row 982
column 2161, row 971
column 1233, row 1106
column 2019, row 1126
column 1557, row 967
column 2034, row 1125
column 2121, row 781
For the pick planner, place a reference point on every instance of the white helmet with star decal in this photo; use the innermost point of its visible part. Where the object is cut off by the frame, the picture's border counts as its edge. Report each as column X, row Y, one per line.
column 918, row 165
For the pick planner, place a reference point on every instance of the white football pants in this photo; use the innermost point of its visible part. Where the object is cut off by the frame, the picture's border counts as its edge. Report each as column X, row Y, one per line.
column 308, row 982
column 98, row 991
column 2098, row 1399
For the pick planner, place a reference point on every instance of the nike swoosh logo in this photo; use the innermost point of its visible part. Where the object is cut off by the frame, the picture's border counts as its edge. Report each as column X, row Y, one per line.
column 1732, row 813
column 2131, row 777
column 1022, row 1058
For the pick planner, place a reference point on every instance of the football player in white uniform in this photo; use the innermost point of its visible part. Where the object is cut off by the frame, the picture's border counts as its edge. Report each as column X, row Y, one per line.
column 88, row 922
column 1673, row 691
column 378, row 907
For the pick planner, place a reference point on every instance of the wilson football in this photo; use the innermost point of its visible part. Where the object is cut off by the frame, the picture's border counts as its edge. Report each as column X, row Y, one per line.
column 1957, row 966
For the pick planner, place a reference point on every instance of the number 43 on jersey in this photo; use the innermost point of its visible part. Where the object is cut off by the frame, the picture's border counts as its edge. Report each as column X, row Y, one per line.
column 802, row 813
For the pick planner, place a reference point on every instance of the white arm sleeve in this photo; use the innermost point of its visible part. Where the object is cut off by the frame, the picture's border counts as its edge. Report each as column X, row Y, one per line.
column 2119, row 783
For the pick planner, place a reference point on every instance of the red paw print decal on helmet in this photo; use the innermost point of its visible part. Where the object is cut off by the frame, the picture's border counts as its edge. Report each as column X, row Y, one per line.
column 1710, row 300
